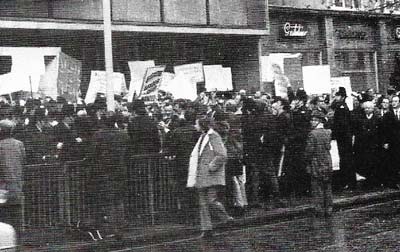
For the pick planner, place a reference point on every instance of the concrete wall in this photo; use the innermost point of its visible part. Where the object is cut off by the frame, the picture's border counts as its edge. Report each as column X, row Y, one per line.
column 228, row 12
column 78, row 9
column 185, row 11
column 136, row 10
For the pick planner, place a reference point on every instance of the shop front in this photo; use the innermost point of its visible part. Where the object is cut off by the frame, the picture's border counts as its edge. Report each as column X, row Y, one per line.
column 356, row 51
column 390, row 54
column 295, row 42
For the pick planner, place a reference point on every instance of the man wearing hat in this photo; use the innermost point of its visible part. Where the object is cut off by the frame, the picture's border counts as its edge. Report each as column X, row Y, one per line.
column 12, row 159
column 342, row 133
column 319, row 164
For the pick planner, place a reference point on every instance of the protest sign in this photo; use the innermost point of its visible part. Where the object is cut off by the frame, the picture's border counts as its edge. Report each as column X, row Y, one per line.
column 30, row 65
column 138, row 70
column 98, row 84
column 213, row 77
column 317, row 79
column 43, row 71
column 226, row 79
column 181, row 86
column 274, row 64
column 69, row 77
column 151, row 83
column 192, row 71
column 166, row 84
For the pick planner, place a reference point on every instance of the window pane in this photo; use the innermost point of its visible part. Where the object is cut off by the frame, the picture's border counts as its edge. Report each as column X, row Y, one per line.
column 339, row 3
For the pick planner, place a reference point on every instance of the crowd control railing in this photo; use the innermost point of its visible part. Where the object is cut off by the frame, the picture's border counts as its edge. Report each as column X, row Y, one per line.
column 151, row 187
column 56, row 193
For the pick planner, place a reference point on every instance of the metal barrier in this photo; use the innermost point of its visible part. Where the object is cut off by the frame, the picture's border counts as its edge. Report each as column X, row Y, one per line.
column 151, row 186
column 56, row 194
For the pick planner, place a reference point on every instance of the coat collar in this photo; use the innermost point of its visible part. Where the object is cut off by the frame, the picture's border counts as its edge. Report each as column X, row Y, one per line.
column 206, row 140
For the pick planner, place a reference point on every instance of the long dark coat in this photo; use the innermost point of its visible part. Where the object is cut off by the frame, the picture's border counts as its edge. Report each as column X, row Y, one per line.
column 144, row 136
column 366, row 145
column 342, row 133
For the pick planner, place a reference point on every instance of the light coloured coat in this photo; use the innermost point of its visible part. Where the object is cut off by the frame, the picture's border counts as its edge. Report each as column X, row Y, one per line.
column 207, row 162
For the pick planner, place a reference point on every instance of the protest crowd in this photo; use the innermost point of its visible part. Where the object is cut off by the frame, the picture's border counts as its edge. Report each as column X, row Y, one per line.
column 256, row 148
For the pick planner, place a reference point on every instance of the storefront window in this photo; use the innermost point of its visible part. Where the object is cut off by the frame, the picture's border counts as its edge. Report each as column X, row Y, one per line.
column 359, row 66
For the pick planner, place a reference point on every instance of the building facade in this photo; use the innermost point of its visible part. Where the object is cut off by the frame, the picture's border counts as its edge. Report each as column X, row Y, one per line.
column 171, row 32
column 356, row 38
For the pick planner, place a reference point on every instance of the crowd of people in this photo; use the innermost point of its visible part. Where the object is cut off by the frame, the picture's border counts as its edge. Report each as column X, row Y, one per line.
column 258, row 147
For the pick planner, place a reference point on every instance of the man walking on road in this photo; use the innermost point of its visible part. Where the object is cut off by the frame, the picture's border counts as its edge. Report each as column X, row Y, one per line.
column 207, row 174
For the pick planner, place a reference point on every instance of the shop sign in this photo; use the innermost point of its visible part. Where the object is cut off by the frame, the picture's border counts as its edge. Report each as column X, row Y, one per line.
column 351, row 34
column 294, row 30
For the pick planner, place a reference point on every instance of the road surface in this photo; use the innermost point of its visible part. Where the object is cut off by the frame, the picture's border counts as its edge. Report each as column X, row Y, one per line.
column 369, row 228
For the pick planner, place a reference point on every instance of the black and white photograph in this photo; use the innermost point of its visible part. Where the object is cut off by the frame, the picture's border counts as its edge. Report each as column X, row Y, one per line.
column 199, row 125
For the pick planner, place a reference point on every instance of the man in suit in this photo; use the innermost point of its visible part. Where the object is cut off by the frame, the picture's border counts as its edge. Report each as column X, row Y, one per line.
column 12, row 160
column 365, row 128
column 207, row 174
column 390, row 135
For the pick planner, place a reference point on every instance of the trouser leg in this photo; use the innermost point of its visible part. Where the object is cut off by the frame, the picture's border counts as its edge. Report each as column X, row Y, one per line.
column 205, row 218
column 328, row 197
column 215, row 205
column 318, row 197
column 254, row 186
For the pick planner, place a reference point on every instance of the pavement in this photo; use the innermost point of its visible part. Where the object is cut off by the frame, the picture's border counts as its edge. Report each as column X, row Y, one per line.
column 60, row 239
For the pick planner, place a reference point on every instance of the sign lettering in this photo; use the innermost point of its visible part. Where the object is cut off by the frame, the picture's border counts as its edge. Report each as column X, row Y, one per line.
column 294, row 30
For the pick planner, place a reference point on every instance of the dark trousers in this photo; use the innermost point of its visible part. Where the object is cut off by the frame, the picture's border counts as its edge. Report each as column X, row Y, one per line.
column 347, row 173
column 210, row 205
column 322, row 195
column 271, row 174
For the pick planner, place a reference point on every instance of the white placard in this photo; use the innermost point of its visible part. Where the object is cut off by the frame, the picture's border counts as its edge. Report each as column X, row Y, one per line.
column 14, row 82
column 30, row 65
column 227, row 79
column 317, row 79
column 273, row 65
column 98, row 84
column 192, row 71
column 213, row 77
column 182, row 87
column 138, row 70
